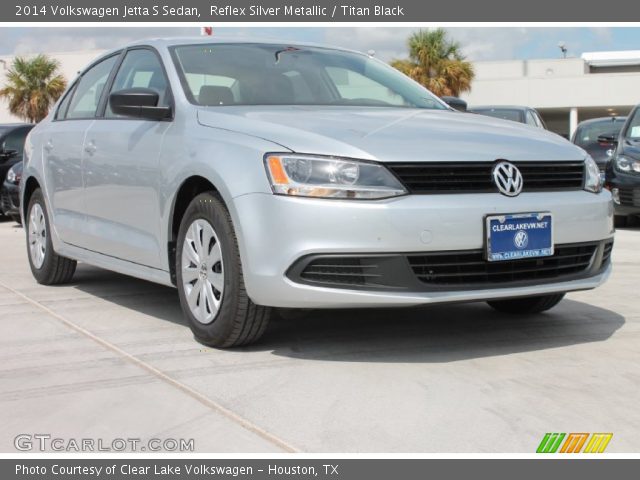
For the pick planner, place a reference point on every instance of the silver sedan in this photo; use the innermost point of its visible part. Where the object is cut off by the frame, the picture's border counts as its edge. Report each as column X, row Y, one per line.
column 257, row 175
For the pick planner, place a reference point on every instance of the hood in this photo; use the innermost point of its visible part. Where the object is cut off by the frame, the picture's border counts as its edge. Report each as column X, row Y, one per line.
column 630, row 149
column 392, row 134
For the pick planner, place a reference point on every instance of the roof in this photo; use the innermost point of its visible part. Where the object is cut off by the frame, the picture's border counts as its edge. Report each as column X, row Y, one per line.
column 499, row 107
column 173, row 41
column 15, row 125
column 612, row 59
column 620, row 118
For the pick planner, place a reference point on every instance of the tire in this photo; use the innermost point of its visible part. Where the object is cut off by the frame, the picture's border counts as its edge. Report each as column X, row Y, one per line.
column 47, row 267
column 620, row 221
column 527, row 305
column 209, row 277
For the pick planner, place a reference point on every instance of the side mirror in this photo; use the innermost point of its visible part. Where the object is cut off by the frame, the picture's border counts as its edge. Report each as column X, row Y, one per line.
column 455, row 102
column 607, row 139
column 138, row 103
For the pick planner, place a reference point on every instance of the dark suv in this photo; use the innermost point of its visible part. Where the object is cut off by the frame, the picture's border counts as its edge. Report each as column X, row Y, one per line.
column 623, row 172
column 12, row 138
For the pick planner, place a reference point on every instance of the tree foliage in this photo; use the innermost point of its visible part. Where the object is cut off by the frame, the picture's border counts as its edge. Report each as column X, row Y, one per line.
column 32, row 86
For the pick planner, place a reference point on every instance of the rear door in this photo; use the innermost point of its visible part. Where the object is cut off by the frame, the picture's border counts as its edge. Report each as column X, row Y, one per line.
column 121, row 168
column 63, row 143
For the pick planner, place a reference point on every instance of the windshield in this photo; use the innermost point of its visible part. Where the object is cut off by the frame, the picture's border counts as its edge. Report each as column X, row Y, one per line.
column 588, row 134
column 259, row 74
column 633, row 130
column 503, row 113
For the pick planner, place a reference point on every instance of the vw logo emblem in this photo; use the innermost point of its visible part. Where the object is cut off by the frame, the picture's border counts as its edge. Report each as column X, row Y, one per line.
column 521, row 239
column 507, row 178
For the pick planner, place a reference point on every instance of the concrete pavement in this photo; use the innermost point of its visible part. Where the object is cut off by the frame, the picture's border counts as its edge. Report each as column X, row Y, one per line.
column 110, row 356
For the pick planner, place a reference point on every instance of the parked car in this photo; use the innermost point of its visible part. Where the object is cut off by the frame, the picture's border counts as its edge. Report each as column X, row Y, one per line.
column 11, row 146
column 623, row 172
column 10, row 193
column 257, row 175
column 455, row 103
column 526, row 115
column 598, row 137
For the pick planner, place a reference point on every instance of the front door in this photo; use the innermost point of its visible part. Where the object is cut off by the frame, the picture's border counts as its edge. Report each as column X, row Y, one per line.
column 121, row 170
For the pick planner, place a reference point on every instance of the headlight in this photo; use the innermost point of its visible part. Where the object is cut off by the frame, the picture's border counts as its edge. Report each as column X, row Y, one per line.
column 625, row 164
column 327, row 177
column 592, row 178
column 12, row 176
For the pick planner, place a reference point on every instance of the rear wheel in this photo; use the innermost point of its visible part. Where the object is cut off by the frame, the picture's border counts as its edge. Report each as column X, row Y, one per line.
column 47, row 267
column 210, row 282
column 527, row 305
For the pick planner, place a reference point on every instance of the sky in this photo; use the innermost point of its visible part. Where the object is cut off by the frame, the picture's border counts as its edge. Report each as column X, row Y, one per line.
column 478, row 43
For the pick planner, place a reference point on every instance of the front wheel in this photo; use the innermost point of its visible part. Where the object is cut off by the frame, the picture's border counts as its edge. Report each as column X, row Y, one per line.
column 527, row 305
column 209, row 275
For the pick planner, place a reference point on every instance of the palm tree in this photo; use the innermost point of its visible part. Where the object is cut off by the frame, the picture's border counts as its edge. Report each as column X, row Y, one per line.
column 32, row 86
column 437, row 62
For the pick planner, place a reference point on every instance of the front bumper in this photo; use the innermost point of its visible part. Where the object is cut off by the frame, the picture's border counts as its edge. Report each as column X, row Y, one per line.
column 627, row 188
column 274, row 232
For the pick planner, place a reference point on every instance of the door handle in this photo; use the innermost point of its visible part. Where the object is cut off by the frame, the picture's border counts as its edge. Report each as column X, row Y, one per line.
column 48, row 146
column 90, row 148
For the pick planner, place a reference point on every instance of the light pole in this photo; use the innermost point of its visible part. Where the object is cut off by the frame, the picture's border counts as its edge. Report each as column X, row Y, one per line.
column 563, row 49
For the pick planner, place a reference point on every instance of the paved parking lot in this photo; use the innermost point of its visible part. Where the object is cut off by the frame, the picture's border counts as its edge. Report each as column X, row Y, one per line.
column 110, row 357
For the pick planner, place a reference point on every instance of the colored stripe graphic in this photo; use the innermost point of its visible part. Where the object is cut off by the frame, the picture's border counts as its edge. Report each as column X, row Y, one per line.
column 550, row 442
column 598, row 442
column 574, row 443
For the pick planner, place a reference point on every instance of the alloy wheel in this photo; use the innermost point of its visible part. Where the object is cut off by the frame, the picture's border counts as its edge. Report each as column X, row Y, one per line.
column 202, row 271
column 37, row 235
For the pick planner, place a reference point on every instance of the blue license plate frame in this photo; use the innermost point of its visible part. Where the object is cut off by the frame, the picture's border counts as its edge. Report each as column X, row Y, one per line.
column 518, row 236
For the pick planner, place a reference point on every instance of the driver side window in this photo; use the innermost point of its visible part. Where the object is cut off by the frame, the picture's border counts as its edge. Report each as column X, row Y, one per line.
column 141, row 68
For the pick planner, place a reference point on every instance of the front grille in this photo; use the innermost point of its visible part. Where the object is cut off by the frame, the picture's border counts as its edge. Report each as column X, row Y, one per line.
column 475, row 177
column 470, row 267
column 340, row 271
column 629, row 197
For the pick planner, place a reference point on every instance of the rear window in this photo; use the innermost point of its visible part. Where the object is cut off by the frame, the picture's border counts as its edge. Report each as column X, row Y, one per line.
column 502, row 113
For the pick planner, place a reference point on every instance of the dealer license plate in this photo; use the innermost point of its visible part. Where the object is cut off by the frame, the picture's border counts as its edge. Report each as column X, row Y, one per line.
column 522, row 235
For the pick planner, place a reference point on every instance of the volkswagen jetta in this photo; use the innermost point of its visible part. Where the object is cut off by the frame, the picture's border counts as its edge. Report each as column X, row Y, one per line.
column 257, row 175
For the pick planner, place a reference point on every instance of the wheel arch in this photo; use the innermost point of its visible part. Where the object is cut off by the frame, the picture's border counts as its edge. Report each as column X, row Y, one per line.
column 188, row 190
column 30, row 186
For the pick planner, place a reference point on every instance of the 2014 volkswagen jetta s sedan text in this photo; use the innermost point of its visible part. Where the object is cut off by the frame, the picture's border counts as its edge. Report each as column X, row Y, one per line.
column 257, row 175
